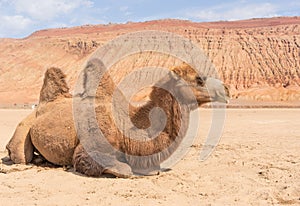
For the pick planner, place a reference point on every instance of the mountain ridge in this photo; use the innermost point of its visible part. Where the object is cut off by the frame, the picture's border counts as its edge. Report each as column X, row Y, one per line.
column 248, row 23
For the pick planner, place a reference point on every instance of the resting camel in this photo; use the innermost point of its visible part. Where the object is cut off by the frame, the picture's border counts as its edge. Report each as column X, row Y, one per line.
column 50, row 129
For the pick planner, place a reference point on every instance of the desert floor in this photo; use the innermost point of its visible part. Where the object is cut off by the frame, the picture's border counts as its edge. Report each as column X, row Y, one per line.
column 257, row 162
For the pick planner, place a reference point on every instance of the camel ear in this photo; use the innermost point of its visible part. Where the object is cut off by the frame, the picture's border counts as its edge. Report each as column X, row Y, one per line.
column 173, row 75
column 177, row 70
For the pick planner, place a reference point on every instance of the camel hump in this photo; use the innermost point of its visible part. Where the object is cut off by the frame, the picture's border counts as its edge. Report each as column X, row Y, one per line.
column 54, row 85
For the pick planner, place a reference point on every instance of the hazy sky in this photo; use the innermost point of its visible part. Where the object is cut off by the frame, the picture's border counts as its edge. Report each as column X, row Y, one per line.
column 19, row 18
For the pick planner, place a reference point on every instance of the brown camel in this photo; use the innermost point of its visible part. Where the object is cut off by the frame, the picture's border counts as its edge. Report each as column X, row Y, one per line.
column 50, row 128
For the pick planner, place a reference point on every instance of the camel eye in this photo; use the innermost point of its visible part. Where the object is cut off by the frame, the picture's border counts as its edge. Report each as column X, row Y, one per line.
column 199, row 81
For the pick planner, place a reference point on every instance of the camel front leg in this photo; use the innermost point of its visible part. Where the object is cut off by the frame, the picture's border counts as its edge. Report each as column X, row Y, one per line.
column 95, row 163
column 20, row 148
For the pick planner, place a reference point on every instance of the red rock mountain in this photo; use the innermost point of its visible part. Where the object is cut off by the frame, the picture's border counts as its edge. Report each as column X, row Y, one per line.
column 259, row 58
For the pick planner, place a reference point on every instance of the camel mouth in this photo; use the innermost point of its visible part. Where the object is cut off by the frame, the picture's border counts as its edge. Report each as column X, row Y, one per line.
column 221, row 99
column 221, row 94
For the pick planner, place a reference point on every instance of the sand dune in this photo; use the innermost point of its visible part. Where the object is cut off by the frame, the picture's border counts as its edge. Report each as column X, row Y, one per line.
column 257, row 162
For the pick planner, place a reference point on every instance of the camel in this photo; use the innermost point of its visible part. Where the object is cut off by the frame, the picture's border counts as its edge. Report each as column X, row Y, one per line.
column 50, row 129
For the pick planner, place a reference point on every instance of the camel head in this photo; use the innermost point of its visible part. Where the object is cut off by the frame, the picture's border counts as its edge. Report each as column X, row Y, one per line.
column 204, row 89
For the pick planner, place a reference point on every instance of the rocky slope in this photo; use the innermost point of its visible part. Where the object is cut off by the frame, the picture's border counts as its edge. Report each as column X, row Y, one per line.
column 259, row 59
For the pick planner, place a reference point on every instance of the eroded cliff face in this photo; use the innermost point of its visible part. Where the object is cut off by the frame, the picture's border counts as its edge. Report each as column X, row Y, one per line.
column 259, row 59
column 258, row 64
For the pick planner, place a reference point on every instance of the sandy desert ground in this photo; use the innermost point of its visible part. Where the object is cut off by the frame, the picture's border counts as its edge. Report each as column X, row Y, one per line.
column 257, row 162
